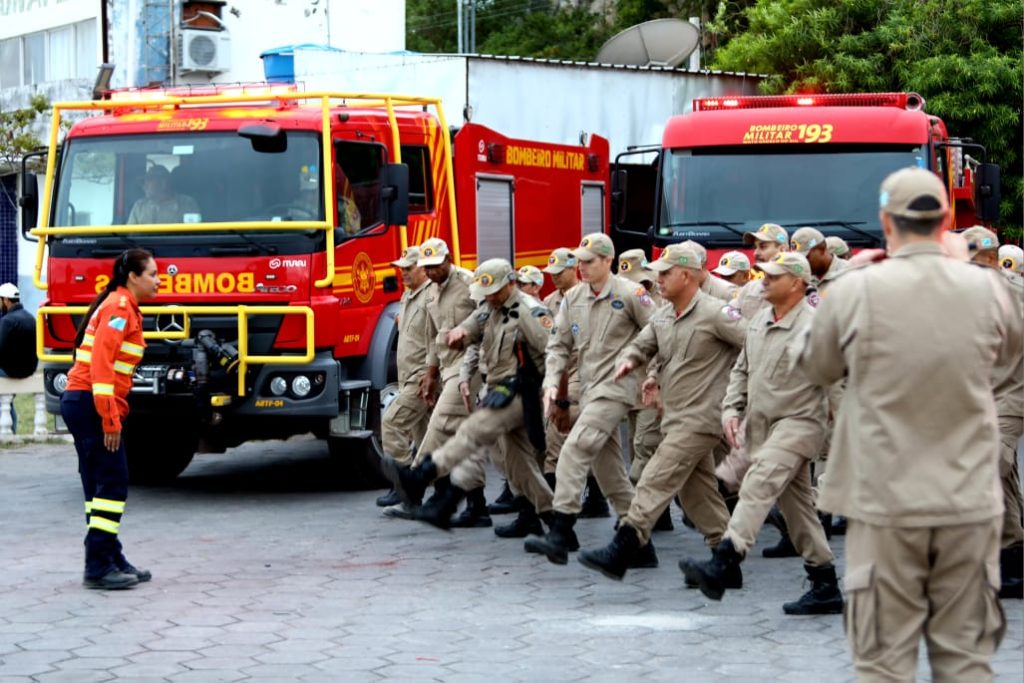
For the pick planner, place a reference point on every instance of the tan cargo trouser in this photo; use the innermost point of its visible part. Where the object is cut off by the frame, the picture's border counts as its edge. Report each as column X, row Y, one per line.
column 778, row 475
column 937, row 582
column 682, row 465
column 464, row 455
column 593, row 444
column 449, row 412
column 1010, row 429
column 644, row 437
column 403, row 424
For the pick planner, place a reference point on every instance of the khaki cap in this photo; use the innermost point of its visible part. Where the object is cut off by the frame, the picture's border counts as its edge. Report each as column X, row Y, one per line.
column 408, row 259
column 593, row 245
column 805, row 239
column 837, row 245
column 913, row 193
column 1011, row 258
column 433, row 252
column 674, row 255
column 530, row 275
column 699, row 249
column 788, row 263
column 732, row 262
column 769, row 232
column 559, row 260
column 631, row 266
column 490, row 276
column 980, row 238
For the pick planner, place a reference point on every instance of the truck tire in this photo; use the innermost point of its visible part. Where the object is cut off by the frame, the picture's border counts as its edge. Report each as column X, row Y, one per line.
column 358, row 459
column 156, row 454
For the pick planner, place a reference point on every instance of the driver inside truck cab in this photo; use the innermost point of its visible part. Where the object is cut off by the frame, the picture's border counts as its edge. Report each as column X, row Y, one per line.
column 161, row 204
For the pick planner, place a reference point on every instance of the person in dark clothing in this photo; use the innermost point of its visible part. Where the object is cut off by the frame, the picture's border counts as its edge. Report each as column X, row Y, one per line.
column 17, row 339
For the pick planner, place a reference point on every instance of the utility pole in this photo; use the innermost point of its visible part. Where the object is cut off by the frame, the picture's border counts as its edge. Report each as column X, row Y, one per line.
column 458, row 5
column 471, row 28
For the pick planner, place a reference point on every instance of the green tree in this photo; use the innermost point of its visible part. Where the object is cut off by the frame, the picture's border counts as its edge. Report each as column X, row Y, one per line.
column 17, row 134
column 963, row 56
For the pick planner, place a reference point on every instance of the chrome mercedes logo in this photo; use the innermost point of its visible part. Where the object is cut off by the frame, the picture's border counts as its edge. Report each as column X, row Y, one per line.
column 170, row 322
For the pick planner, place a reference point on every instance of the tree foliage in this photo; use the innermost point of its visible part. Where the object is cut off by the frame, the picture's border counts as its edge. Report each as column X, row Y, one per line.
column 17, row 132
column 963, row 56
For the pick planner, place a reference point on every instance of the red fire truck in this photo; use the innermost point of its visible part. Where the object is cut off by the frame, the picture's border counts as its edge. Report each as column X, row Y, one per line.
column 735, row 163
column 277, row 305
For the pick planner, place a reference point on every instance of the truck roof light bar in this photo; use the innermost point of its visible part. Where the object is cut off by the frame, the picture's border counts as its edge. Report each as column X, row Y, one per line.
column 901, row 100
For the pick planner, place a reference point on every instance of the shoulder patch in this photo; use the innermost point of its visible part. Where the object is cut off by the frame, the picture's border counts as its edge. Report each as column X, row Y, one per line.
column 731, row 313
column 546, row 322
column 483, row 316
column 117, row 323
column 644, row 296
column 539, row 311
column 617, row 304
column 813, row 298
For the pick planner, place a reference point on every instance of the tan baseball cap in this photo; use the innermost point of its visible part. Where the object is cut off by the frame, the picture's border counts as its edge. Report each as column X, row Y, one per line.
column 530, row 275
column 913, row 193
column 631, row 266
column 676, row 255
column 559, row 260
column 805, row 239
column 769, row 232
column 732, row 262
column 1011, row 258
column 408, row 259
column 433, row 252
column 980, row 238
column 787, row 263
column 699, row 249
column 490, row 276
column 837, row 245
column 593, row 245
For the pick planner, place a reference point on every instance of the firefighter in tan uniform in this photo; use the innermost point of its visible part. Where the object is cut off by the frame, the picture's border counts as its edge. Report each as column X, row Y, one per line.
column 785, row 429
column 562, row 269
column 709, row 284
column 597, row 319
column 692, row 339
column 769, row 240
column 734, row 268
column 914, row 459
column 530, row 280
column 405, row 420
column 1008, row 386
column 825, row 266
column 838, row 247
column 513, row 329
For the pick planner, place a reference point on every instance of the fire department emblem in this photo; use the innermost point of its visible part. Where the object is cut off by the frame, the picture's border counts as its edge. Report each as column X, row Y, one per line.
column 363, row 278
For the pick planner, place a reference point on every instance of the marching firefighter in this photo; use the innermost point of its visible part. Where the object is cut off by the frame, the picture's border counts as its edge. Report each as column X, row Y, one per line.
column 785, row 429
column 530, row 280
column 734, row 268
column 825, row 266
column 108, row 346
column 769, row 240
column 709, row 284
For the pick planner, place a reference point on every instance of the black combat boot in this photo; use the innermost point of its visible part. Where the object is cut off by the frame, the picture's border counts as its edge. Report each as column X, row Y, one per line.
column 526, row 522
column 615, row 558
column 126, row 567
column 732, row 579
column 475, row 515
column 1011, row 570
column 595, row 506
column 438, row 511
column 409, row 482
column 824, row 596
column 388, row 499
column 505, row 502
column 709, row 576
column 441, row 485
column 101, row 571
column 664, row 522
column 784, row 548
column 645, row 557
column 558, row 541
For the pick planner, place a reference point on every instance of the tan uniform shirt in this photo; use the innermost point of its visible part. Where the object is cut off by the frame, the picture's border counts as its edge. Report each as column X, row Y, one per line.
column 749, row 299
column 412, row 338
column 773, row 393
column 170, row 210
column 448, row 304
column 522, row 318
column 694, row 352
column 598, row 327
column 1008, row 378
column 718, row 288
column 837, row 266
column 916, row 442
column 553, row 302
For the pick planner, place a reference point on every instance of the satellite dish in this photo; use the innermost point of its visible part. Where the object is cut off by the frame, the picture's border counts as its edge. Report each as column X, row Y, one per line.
column 662, row 42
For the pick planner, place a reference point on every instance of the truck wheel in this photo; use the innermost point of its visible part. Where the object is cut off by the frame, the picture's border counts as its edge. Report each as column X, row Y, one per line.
column 359, row 459
column 157, row 455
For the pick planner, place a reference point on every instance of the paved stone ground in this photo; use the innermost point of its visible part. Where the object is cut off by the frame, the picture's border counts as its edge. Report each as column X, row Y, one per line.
column 263, row 569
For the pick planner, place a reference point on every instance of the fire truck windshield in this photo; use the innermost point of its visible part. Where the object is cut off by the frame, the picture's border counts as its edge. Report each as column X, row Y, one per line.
column 187, row 178
column 714, row 195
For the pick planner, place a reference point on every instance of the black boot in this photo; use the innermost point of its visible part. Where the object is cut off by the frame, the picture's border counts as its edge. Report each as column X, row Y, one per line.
column 1011, row 569
column 595, row 506
column 824, row 596
column 505, row 502
column 439, row 511
column 126, row 567
column 784, row 548
column 645, row 558
column 732, row 579
column 709, row 575
column 526, row 522
column 826, row 524
column 102, row 550
column 558, row 541
column 388, row 499
column 441, row 485
column 475, row 515
column 113, row 580
column 615, row 558
column 776, row 519
column 409, row 482
column 664, row 522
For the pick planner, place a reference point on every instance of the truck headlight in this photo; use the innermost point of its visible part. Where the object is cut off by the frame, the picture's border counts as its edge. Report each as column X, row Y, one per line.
column 278, row 386
column 301, row 386
column 60, row 382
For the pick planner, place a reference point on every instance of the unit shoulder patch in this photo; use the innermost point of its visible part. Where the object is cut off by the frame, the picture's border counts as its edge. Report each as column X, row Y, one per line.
column 644, row 296
column 731, row 313
column 117, row 323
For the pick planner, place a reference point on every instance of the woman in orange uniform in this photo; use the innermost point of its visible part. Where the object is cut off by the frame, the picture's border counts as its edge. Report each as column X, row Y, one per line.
column 107, row 348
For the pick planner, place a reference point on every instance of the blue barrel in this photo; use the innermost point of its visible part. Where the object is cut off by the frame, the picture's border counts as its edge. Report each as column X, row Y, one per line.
column 279, row 62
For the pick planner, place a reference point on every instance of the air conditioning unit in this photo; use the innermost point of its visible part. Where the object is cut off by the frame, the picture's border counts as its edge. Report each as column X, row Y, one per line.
column 201, row 51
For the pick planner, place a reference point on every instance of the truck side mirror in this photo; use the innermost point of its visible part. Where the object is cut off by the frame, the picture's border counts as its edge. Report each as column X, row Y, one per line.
column 394, row 194
column 619, row 183
column 986, row 192
column 29, row 203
